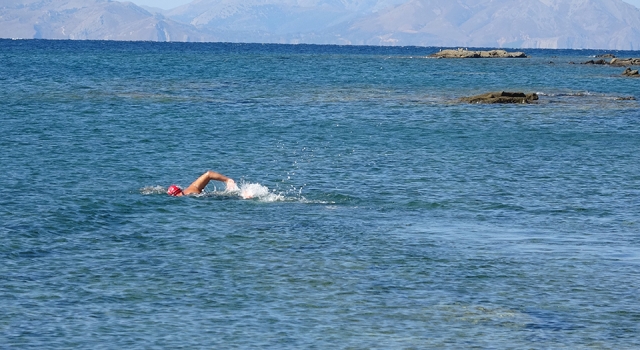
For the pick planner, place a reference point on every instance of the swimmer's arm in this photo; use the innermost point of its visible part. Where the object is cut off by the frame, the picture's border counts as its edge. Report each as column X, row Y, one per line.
column 231, row 185
column 202, row 182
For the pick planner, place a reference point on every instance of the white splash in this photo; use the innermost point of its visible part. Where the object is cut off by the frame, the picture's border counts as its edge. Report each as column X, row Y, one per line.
column 259, row 192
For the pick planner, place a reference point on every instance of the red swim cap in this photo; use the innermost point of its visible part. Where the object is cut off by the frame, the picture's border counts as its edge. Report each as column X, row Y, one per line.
column 173, row 190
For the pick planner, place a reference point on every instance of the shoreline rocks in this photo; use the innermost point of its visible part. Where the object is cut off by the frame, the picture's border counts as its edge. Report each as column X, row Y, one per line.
column 616, row 62
column 502, row 97
column 600, row 62
column 625, row 62
column 464, row 53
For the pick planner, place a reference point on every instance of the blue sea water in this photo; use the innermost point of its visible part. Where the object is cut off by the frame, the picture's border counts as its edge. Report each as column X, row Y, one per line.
column 386, row 214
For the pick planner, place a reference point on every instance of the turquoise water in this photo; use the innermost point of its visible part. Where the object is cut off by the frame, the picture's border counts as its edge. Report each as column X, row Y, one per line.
column 386, row 214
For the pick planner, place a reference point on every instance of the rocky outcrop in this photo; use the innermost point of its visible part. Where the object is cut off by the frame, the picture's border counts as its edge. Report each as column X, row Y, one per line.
column 464, row 53
column 502, row 97
column 625, row 62
column 617, row 62
column 601, row 62
column 631, row 73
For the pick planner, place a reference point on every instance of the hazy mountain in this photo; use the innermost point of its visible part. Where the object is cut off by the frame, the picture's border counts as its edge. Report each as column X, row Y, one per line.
column 275, row 20
column 90, row 19
column 606, row 24
column 154, row 10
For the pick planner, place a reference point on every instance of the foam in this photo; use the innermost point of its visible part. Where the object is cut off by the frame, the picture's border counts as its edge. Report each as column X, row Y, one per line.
column 259, row 192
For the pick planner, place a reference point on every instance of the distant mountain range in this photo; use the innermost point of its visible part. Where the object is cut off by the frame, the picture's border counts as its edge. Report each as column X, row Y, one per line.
column 598, row 24
column 90, row 19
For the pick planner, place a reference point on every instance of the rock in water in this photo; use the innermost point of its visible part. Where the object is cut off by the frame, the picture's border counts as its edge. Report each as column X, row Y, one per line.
column 463, row 53
column 595, row 62
column 502, row 97
column 625, row 62
column 631, row 73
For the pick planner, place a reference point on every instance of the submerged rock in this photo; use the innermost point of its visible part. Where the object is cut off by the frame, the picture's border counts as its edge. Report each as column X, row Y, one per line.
column 631, row 73
column 464, row 53
column 502, row 97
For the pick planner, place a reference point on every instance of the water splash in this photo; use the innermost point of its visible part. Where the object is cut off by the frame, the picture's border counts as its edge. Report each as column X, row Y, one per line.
column 259, row 192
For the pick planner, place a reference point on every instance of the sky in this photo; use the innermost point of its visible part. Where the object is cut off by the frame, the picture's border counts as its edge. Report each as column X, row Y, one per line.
column 169, row 4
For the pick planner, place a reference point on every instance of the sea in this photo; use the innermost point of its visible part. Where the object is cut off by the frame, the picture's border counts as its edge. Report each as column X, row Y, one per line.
column 382, row 212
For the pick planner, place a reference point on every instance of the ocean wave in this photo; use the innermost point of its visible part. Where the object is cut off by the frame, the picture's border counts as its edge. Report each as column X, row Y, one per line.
column 150, row 190
column 568, row 94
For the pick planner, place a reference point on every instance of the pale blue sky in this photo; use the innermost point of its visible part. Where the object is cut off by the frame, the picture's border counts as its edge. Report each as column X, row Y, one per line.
column 169, row 4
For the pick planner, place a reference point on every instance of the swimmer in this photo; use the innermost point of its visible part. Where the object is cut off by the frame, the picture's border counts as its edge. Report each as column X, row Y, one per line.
column 197, row 186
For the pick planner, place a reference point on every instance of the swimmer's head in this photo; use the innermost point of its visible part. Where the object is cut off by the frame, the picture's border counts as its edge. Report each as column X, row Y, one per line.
column 174, row 190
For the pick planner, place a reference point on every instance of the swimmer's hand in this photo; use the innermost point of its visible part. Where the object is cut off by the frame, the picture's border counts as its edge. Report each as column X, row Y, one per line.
column 246, row 194
column 231, row 185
